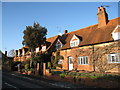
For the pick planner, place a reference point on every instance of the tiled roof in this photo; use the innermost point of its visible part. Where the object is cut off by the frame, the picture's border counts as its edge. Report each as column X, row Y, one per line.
column 50, row 41
column 91, row 34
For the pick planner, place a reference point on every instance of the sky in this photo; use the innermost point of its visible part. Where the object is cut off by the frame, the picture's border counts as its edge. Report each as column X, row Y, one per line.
column 55, row 16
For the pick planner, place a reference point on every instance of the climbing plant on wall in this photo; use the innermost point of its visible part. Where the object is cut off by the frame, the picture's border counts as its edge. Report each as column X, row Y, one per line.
column 54, row 59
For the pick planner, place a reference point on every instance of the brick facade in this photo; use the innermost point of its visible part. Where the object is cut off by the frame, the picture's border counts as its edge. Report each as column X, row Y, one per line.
column 84, row 51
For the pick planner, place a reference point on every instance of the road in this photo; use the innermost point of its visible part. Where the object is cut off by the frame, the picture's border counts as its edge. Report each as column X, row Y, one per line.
column 18, row 82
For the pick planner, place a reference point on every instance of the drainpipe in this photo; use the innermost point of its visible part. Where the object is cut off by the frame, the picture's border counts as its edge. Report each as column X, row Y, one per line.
column 93, row 57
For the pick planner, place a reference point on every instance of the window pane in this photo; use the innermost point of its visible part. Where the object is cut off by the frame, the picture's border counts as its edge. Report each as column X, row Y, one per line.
column 83, row 60
column 116, row 58
column 78, row 60
column 71, row 44
column 70, row 60
column 113, row 58
column 74, row 43
column 86, row 60
column 109, row 58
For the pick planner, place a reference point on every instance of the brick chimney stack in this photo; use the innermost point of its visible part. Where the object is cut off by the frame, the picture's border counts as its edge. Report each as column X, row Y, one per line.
column 65, row 31
column 102, row 17
column 5, row 53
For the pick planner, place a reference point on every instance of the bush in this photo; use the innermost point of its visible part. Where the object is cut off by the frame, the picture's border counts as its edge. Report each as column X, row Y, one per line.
column 26, row 66
column 49, row 65
column 32, row 70
column 59, row 65
column 37, row 58
column 72, row 74
column 22, row 70
column 109, row 77
column 62, row 75
column 56, row 72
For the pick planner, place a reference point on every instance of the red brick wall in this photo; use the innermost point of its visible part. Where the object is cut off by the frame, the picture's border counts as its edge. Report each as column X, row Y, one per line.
column 21, row 58
column 74, row 53
column 86, row 51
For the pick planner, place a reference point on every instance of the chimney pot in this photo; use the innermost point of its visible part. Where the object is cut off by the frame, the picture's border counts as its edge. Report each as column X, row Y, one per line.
column 6, row 53
column 65, row 31
column 99, row 9
column 102, row 8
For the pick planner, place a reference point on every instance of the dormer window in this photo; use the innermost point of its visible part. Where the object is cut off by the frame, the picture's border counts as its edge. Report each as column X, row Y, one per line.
column 74, row 41
column 116, row 33
column 43, row 48
column 58, row 45
column 37, row 49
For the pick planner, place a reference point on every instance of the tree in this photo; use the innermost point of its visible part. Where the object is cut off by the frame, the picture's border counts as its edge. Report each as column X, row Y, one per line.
column 33, row 37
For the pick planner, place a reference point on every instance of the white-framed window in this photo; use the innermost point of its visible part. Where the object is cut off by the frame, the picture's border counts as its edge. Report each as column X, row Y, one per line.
column 37, row 49
column 43, row 48
column 58, row 45
column 114, row 58
column 83, row 60
column 60, row 61
column 74, row 41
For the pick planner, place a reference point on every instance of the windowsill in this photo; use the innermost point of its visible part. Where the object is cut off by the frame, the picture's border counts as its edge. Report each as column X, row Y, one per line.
column 74, row 46
column 112, row 62
column 83, row 64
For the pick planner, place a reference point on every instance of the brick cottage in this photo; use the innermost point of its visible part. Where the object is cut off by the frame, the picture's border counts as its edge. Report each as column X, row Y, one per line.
column 86, row 48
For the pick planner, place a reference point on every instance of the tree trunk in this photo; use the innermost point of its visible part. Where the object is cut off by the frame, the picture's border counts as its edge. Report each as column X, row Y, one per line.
column 32, row 56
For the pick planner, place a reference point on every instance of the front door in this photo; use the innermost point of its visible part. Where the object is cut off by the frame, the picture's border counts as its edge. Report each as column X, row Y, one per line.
column 70, row 63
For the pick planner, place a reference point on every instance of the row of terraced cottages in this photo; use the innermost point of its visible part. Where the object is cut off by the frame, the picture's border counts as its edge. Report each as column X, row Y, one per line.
column 90, row 48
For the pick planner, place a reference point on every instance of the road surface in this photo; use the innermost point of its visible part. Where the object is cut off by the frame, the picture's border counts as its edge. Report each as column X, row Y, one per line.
column 18, row 82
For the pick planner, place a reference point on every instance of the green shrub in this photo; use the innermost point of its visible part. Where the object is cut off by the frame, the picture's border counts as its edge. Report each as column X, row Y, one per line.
column 32, row 70
column 37, row 58
column 22, row 70
column 62, row 75
column 72, row 74
column 110, row 77
column 49, row 65
column 26, row 66
column 59, row 65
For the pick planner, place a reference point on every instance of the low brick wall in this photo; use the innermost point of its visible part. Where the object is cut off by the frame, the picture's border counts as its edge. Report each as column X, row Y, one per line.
column 86, row 81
